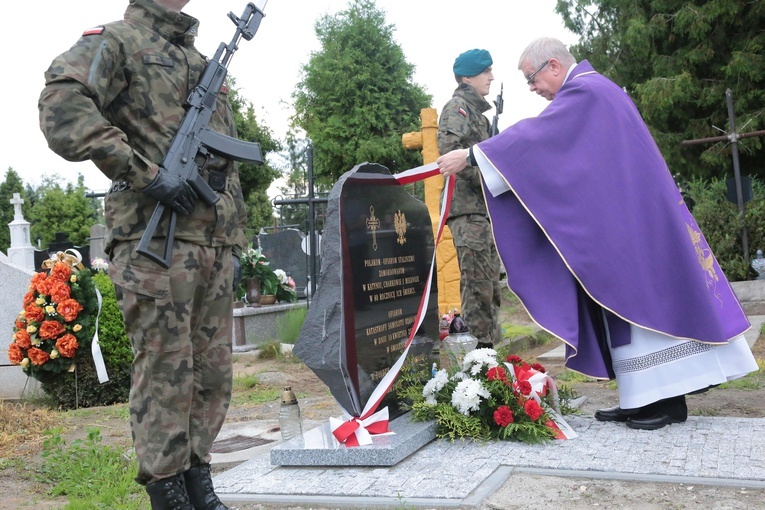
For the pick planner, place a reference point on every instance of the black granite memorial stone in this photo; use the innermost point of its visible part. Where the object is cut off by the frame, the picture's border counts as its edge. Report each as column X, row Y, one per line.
column 376, row 254
column 285, row 250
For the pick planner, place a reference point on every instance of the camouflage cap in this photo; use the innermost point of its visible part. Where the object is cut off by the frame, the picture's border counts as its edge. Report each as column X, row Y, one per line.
column 472, row 62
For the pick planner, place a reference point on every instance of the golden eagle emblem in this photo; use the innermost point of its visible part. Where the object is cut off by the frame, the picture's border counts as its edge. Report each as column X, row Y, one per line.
column 399, row 223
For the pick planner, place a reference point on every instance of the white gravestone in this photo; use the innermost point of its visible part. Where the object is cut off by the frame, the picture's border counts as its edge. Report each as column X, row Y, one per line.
column 21, row 252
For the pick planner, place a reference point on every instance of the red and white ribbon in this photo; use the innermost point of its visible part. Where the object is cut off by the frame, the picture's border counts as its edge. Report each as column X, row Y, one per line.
column 541, row 383
column 358, row 431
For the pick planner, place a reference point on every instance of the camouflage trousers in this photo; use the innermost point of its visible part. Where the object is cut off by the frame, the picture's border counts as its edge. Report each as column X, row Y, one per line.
column 179, row 321
column 479, row 275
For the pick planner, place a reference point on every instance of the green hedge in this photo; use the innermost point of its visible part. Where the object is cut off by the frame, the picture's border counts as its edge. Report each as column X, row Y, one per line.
column 721, row 224
column 81, row 387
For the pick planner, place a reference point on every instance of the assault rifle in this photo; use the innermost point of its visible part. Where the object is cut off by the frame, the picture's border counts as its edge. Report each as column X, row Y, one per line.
column 499, row 103
column 196, row 141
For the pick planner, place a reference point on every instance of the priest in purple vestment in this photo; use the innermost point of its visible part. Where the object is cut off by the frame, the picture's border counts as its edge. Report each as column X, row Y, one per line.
column 604, row 254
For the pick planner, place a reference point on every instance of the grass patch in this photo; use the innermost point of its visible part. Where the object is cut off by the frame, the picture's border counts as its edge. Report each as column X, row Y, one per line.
column 91, row 475
column 289, row 325
column 23, row 424
column 750, row 382
column 249, row 390
column 511, row 331
column 573, row 377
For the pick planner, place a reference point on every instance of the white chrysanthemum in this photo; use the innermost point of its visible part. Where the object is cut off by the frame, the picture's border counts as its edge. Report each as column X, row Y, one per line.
column 476, row 359
column 434, row 386
column 467, row 395
column 458, row 376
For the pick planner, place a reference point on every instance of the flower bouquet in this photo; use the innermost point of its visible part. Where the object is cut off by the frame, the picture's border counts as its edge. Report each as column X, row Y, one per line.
column 59, row 313
column 491, row 400
column 285, row 290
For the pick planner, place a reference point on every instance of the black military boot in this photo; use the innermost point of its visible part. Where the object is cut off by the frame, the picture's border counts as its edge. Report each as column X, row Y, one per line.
column 200, row 488
column 169, row 494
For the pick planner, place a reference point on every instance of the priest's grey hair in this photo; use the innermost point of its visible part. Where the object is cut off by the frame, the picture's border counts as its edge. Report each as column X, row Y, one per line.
column 543, row 49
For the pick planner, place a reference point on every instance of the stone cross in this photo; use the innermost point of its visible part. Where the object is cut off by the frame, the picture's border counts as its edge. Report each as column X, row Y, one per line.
column 17, row 201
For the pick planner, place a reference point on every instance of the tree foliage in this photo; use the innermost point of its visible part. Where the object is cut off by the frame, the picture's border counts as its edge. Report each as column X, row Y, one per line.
column 356, row 97
column 255, row 179
column 12, row 184
column 60, row 209
column 677, row 59
column 298, row 158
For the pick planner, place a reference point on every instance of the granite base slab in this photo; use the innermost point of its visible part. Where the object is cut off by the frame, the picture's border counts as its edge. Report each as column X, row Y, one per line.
column 318, row 447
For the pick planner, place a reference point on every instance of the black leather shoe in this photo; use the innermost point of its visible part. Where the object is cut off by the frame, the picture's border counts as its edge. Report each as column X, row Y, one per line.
column 616, row 414
column 654, row 422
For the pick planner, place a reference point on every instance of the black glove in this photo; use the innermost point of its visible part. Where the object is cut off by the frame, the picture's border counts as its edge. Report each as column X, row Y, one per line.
column 173, row 191
column 237, row 272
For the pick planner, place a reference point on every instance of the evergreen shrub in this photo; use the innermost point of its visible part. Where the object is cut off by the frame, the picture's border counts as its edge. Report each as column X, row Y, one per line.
column 722, row 227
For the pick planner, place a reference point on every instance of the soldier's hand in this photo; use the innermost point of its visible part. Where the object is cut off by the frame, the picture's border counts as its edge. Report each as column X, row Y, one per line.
column 237, row 272
column 173, row 191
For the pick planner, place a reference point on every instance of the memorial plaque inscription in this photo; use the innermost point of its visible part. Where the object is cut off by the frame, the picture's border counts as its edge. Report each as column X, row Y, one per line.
column 385, row 248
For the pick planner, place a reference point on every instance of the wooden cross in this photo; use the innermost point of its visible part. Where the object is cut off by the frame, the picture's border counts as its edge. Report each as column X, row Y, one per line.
column 733, row 137
column 373, row 223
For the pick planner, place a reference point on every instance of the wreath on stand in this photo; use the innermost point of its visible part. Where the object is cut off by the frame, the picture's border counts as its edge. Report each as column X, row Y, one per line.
column 58, row 316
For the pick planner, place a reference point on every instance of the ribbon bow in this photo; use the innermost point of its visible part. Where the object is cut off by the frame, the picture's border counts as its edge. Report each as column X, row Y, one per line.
column 353, row 431
column 70, row 257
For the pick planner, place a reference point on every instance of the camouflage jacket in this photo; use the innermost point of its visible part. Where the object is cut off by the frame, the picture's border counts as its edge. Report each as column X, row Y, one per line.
column 462, row 124
column 117, row 98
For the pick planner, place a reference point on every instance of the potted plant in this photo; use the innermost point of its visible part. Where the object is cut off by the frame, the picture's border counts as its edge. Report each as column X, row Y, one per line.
column 257, row 275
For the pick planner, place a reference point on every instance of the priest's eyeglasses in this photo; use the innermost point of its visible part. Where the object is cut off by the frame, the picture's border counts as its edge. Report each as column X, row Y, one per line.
column 530, row 78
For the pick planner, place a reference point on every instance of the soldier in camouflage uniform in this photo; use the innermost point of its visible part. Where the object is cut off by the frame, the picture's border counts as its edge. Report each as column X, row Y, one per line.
column 462, row 124
column 117, row 98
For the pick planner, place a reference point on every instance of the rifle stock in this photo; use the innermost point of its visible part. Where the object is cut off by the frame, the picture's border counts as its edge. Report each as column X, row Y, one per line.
column 194, row 137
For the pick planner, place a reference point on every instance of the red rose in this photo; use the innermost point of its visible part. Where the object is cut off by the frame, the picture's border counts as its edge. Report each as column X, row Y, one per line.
column 34, row 313
column 503, row 416
column 539, row 368
column 15, row 353
column 67, row 345
column 496, row 374
column 60, row 292
column 38, row 356
column 533, row 409
column 23, row 339
column 512, row 358
column 51, row 329
column 69, row 309
column 60, row 272
column 21, row 323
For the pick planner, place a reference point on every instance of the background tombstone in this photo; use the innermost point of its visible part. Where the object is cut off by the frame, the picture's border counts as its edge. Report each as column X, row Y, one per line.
column 376, row 253
column 61, row 243
column 14, row 383
column 285, row 250
column 97, row 235
column 21, row 251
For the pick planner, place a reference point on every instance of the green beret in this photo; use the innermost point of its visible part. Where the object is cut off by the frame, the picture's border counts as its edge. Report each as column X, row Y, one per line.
column 472, row 62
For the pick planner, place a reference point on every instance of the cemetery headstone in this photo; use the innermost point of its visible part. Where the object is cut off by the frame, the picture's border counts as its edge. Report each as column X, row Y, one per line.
column 14, row 383
column 97, row 236
column 376, row 253
column 61, row 243
column 21, row 251
column 285, row 250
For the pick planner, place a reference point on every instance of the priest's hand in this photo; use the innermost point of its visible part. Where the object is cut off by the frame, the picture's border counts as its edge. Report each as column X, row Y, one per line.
column 453, row 162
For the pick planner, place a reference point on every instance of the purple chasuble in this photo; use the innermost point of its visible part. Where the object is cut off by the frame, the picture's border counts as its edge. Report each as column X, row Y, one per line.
column 593, row 220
